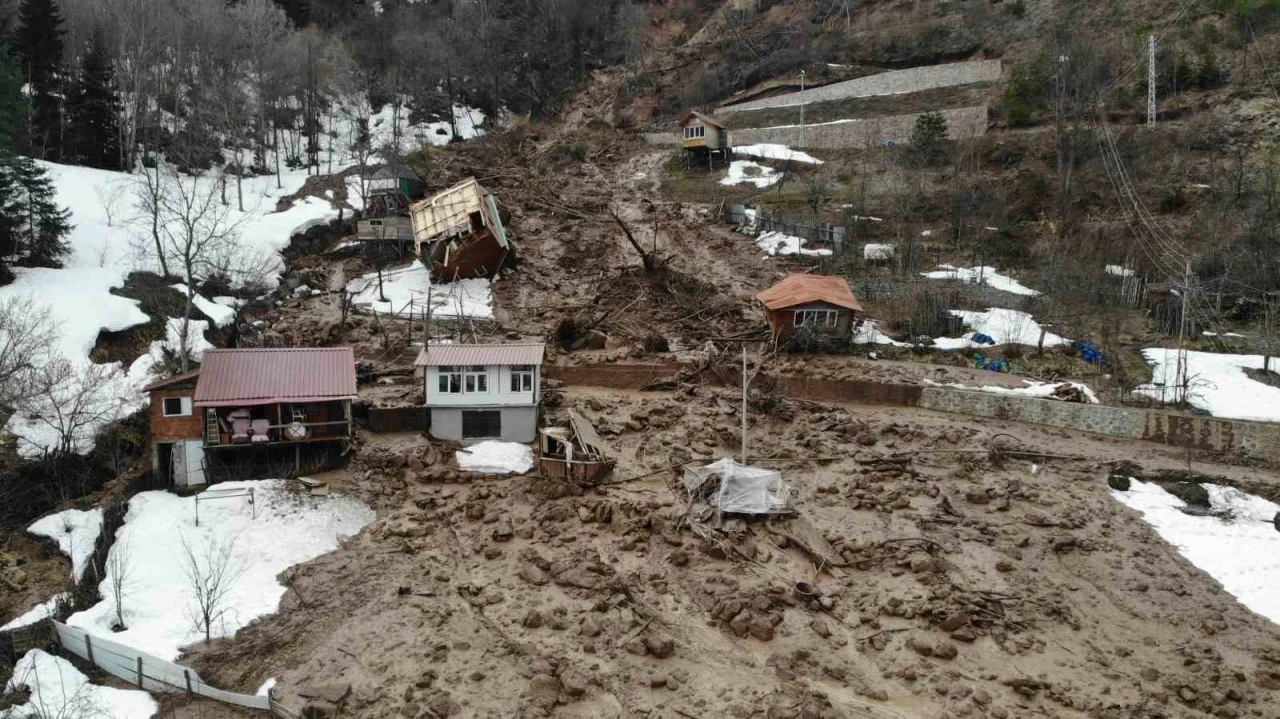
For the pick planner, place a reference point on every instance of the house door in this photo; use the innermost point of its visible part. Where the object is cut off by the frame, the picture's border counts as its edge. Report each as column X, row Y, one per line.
column 188, row 463
column 481, row 425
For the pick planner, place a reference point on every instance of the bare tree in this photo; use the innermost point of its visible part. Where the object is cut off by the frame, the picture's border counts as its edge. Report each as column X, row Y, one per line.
column 120, row 577
column 195, row 228
column 53, row 693
column 73, row 402
column 27, row 338
column 211, row 572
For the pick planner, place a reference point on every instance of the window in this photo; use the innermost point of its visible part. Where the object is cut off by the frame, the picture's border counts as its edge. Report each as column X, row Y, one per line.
column 450, row 380
column 176, row 406
column 476, row 380
column 522, row 378
column 817, row 318
column 695, row 132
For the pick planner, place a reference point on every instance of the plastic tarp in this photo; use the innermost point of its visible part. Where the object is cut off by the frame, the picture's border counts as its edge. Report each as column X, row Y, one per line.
column 743, row 489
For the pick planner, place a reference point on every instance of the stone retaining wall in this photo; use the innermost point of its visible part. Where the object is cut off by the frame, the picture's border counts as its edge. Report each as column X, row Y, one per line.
column 962, row 123
column 886, row 83
column 1257, row 440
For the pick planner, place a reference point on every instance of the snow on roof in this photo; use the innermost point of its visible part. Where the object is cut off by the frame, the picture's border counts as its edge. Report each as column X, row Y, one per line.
column 798, row 289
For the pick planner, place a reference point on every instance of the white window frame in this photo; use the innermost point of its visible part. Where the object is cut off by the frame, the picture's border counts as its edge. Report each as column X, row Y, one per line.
column 475, row 380
column 184, row 407
column 449, row 379
column 521, row 378
column 693, row 133
column 821, row 318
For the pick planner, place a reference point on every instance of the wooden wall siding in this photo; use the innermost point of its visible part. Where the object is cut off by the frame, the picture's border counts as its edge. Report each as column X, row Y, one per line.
column 168, row 429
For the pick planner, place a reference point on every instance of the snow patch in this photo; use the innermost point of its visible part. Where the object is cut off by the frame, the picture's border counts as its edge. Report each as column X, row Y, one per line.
column 1120, row 271
column 75, row 531
column 39, row 613
column 406, row 290
column 1240, row 548
column 872, row 251
column 1034, row 388
column 748, row 172
column 494, row 457
column 989, row 276
column 280, row 530
column 869, row 334
column 221, row 314
column 769, row 151
column 1006, row 327
column 1217, row 384
column 776, row 243
column 58, row 689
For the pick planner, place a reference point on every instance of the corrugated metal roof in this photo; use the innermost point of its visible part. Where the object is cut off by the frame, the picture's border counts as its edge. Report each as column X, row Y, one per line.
column 176, row 379
column 504, row 354
column 267, row 376
column 797, row 289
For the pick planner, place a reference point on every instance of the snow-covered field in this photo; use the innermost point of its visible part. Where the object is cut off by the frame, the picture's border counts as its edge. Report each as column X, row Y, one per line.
column 1006, row 327
column 767, row 151
column 406, row 290
column 748, row 172
column 1217, row 384
column 1242, row 553
column 776, row 243
column 60, row 691
column 494, row 457
column 989, row 276
column 288, row 529
column 75, row 531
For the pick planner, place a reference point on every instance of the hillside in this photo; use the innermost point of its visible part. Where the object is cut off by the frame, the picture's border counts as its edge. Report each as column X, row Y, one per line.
column 1043, row 243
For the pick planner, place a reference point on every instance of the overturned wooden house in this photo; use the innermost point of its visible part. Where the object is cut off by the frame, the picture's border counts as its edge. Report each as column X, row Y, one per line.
column 460, row 233
column 574, row 452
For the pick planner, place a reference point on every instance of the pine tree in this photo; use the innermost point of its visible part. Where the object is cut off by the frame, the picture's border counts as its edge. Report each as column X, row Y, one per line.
column 93, row 109
column 38, row 45
column 929, row 140
column 35, row 229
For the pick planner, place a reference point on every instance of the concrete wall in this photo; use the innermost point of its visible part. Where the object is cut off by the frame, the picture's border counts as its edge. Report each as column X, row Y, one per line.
column 662, row 139
column 886, row 83
column 962, row 123
column 519, row 424
column 1260, row 440
column 1256, row 440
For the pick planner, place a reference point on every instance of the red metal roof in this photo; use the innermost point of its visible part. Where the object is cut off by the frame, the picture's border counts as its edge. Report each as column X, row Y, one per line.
column 707, row 119
column 176, row 379
column 268, row 376
column 505, row 354
column 799, row 289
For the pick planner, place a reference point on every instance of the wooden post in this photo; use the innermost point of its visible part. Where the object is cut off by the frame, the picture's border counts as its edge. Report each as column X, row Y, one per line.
column 88, row 647
column 186, row 674
column 139, row 671
column 744, row 403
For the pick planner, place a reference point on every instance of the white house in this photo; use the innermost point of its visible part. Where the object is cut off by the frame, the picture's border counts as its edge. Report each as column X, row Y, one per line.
column 476, row 392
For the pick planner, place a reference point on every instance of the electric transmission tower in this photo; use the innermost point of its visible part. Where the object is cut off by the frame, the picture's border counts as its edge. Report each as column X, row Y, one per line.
column 1151, row 81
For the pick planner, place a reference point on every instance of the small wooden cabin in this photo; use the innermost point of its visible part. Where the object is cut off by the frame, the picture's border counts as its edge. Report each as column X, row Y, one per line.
column 823, row 304
column 386, row 214
column 703, row 137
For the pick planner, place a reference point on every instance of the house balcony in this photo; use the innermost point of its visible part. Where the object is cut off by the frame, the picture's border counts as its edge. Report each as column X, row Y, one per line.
column 271, row 425
column 390, row 229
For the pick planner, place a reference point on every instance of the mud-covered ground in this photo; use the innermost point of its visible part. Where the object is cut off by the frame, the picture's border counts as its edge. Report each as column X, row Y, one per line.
column 947, row 584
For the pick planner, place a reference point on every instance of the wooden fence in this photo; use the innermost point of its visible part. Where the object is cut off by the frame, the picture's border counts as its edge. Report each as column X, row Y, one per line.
column 822, row 235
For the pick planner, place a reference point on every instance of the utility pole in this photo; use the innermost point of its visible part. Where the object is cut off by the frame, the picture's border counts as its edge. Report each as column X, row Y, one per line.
column 802, row 109
column 1180, row 375
column 744, row 404
column 1151, row 80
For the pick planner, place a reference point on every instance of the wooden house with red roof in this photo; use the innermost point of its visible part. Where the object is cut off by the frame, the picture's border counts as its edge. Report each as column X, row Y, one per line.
column 823, row 304
column 252, row 413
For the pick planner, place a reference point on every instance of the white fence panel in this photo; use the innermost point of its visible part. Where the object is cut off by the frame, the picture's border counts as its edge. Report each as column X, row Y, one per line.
column 157, row 675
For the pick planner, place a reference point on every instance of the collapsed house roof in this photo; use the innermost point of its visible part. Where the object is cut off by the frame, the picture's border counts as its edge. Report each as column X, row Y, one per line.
column 509, row 353
column 738, row 488
column 449, row 212
column 798, row 289
column 271, row 376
